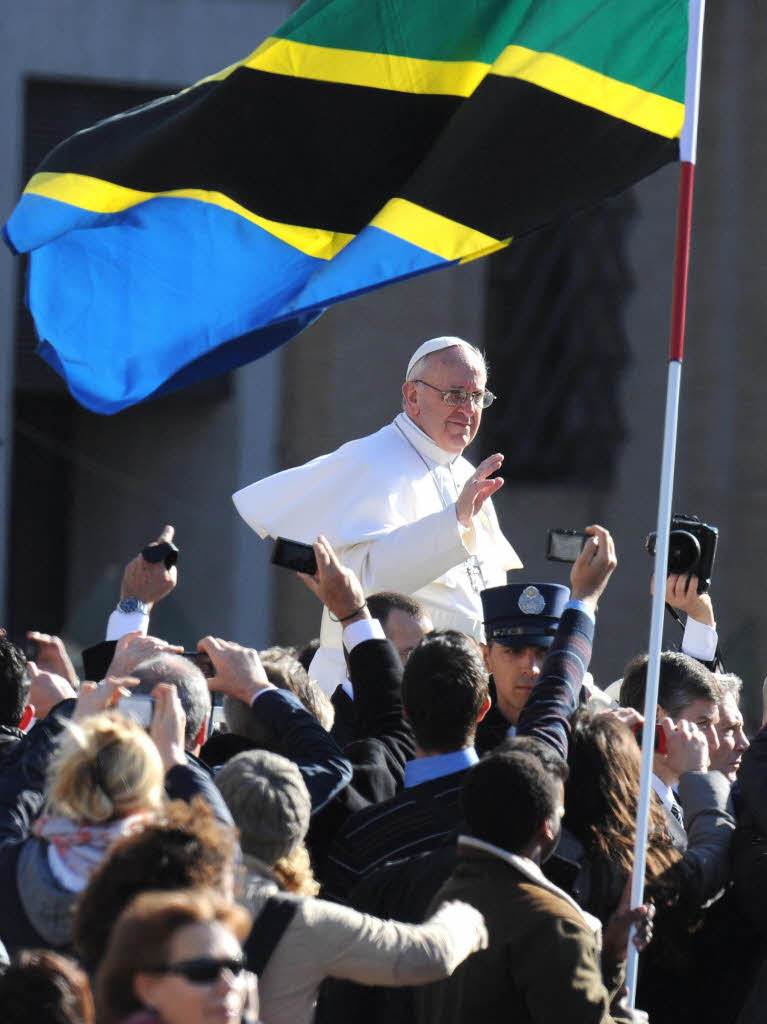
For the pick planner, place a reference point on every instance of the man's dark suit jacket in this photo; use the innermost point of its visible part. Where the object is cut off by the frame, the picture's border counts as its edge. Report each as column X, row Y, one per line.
column 379, row 742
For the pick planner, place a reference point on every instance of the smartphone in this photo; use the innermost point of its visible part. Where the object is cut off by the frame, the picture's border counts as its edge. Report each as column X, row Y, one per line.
column 292, row 554
column 565, row 545
column 137, row 707
column 166, row 551
column 660, row 738
column 202, row 661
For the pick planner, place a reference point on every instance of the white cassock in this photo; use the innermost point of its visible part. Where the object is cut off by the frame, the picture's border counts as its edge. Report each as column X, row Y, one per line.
column 386, row 503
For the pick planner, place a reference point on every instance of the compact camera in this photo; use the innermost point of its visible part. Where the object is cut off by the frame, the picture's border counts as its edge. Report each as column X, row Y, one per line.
column 691, row 548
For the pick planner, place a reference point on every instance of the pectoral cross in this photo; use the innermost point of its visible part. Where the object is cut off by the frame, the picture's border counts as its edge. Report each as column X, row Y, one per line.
column 474, row 572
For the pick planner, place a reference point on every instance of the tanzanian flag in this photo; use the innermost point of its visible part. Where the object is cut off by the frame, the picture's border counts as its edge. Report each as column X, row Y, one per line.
column 365, row 142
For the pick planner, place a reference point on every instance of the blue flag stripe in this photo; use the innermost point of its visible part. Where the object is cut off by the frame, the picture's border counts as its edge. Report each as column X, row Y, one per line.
column 175, row 283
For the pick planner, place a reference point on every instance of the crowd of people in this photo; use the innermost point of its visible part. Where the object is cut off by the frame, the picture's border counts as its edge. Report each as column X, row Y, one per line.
column 447, row 835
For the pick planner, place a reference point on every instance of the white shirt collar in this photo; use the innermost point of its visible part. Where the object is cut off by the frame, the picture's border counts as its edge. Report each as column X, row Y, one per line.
column 422, row 443
column 665, row 793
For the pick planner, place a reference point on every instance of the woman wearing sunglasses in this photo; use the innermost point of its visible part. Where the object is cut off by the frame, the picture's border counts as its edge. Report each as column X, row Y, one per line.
column 175, row 958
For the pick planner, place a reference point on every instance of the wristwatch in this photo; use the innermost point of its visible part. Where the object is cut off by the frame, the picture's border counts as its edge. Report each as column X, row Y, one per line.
column 132, row 604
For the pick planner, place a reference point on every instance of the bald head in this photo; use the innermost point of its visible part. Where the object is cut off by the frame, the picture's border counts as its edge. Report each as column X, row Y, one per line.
column 190, row 683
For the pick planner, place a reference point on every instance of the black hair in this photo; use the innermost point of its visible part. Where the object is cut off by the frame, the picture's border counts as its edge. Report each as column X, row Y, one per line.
column 682, row 681
column 381, row 605
column 444, row 687
column 508, row 796
column 14, row 683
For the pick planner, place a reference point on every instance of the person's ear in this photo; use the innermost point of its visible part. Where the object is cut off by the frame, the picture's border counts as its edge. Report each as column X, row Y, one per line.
column 485, row 655
column 202, row 733
column 549, row 828
column 410, row 395
column 484, row 709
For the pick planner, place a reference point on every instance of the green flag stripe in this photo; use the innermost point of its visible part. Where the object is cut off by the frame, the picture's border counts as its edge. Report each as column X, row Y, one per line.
column 640, row 42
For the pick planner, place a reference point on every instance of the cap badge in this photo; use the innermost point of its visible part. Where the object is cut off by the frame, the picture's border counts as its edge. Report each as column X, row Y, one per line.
column 531, row 601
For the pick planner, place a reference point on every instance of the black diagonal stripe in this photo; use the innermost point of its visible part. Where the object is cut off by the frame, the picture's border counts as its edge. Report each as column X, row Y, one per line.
column 317, row 154
column 302, row 152
column 518, row 157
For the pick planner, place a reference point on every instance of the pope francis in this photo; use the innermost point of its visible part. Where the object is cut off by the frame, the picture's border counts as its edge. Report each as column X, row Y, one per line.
column 402, row 507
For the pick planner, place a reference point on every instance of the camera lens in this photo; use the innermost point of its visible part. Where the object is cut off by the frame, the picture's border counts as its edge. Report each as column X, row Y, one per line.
column 683, row 551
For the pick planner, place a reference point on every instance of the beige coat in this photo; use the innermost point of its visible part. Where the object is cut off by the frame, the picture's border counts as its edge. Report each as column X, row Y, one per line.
column 327, row 940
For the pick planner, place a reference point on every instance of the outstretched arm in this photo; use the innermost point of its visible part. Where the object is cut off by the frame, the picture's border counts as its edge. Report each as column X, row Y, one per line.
column 546, row 715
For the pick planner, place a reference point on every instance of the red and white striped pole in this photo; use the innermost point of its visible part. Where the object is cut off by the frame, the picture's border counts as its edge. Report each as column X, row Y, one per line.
column 687, row 153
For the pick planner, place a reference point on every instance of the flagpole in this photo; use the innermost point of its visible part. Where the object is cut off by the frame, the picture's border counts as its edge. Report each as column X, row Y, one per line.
column 687, row 153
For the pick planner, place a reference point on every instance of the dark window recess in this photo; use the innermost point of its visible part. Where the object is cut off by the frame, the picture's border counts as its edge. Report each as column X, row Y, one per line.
column 557, row 348
column 47, row 419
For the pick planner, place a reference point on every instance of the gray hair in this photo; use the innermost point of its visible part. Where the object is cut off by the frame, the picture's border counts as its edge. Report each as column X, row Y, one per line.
column 285, row 672
column 189, row 681
column 732, row 684
column 419, row 368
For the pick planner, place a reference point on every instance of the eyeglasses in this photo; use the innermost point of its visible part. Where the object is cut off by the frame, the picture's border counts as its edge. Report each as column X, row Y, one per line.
column 457, row 396
column 203, row 971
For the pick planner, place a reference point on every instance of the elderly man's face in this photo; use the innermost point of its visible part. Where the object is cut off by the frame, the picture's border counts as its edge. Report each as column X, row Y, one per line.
column 451, row 427
column 732, row 739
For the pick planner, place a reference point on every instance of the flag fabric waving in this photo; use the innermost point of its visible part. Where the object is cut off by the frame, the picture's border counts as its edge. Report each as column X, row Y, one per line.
column 367, row 141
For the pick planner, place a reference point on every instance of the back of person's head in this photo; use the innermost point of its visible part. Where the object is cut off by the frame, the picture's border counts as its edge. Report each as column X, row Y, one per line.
column 382, row 604
column 549, row 758
column 105, row 767
column 508, row 796
column 190, row 683
column 682, row 681
column 602, row 794
column 272, row 808
column 188, row 849
column 285, row 672
column 444, row 688
column 43, row 987
column 14, row 683
column 141, row 938
column 306, row 655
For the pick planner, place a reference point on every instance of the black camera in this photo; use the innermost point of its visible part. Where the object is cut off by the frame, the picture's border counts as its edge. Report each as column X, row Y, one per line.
column 691, row 548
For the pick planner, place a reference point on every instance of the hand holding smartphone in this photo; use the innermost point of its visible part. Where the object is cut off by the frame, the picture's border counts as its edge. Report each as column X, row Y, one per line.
column 292, row 554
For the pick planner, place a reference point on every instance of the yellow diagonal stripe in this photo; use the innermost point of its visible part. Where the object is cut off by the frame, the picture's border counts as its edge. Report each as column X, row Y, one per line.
column 105, row 197
column 446, row 238
column 357, row 67
column 460, row 78
column 431, row 231
column 576, row 82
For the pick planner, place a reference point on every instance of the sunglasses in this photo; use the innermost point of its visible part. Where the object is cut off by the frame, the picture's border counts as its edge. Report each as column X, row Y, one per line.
column 203, row 971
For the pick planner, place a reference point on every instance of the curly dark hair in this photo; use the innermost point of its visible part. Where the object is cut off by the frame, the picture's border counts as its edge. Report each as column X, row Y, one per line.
column 188, row 849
